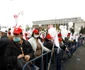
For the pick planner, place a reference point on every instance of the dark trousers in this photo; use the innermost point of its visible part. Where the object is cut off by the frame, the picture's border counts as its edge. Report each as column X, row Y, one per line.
column 58, row 60
column 38, row 63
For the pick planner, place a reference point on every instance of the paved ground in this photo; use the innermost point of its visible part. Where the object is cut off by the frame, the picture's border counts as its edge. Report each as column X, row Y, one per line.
column 77, row 61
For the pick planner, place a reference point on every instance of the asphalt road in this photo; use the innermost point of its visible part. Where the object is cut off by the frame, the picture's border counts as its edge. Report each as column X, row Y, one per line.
column 77, row 61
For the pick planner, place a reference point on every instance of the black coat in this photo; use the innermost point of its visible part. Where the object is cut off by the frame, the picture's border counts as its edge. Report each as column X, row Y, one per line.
column 4, row 41
column 13, row 50
column 48, row 44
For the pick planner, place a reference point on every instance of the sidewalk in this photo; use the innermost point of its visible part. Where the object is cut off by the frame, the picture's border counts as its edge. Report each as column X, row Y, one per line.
column 77, row 61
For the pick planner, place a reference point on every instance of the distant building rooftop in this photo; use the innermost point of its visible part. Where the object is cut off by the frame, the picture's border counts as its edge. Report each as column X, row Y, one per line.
column 59, row 21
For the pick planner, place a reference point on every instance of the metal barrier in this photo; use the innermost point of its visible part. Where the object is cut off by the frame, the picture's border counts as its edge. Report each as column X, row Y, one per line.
column 41, row 60
column 55, row 56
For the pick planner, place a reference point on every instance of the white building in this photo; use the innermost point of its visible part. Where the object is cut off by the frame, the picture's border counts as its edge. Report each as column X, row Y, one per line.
column 78, row 22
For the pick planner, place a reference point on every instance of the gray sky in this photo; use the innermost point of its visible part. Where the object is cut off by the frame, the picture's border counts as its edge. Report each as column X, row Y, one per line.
column 39, row 10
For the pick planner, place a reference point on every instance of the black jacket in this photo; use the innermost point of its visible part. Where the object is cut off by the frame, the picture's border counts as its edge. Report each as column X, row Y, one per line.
column 48, row 44
column 4, row 41
column 13, row 50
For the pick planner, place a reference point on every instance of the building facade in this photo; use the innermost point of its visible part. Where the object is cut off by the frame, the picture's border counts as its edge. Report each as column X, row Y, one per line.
column 77, row 22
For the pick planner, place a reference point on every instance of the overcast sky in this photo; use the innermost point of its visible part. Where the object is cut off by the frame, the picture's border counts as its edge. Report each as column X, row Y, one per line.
column 39, row 10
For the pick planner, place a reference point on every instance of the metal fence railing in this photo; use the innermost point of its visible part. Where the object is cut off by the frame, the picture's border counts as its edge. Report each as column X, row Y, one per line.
column 54, row 59
column 43, row 55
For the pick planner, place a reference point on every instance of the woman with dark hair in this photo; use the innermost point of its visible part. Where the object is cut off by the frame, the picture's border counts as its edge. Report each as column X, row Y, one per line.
column 36, row 43
column 37, row 46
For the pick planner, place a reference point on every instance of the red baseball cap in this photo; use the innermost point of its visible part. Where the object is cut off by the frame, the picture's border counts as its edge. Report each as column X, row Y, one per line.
column 48, row 36
column 60, row 39
column 59, row 34
column 36, row 31
column 68, row 34
column 17, row 30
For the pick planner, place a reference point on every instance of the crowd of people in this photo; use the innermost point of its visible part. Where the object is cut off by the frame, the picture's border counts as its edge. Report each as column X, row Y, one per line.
column 13, row 46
